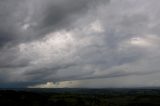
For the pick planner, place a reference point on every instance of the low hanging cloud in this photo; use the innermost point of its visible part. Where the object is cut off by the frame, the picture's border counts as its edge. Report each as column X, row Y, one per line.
column 68, row 43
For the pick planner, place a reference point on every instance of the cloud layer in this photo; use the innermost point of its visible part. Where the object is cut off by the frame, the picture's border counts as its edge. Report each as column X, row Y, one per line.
column 85, row 43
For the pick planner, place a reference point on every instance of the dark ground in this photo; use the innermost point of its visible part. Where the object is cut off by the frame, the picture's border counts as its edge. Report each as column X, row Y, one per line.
column 80, row 97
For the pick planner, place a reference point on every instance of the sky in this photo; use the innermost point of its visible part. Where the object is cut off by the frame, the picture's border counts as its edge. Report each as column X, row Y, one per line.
column 79, row 43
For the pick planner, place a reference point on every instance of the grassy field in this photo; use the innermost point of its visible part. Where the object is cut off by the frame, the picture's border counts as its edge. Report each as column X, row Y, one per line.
column 80, row 97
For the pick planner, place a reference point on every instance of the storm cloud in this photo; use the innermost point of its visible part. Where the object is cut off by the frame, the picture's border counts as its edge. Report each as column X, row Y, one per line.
column 84, row 43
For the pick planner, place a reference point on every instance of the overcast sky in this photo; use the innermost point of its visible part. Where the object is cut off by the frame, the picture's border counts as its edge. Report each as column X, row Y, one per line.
column 79, row 43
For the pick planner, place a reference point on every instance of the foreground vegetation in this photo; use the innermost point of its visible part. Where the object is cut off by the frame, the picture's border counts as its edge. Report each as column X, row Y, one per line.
column 80, row 97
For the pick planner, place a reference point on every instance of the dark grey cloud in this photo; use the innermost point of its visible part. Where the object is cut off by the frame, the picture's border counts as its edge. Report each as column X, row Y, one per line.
column 85, row 43
column 27, row 20
column 24, row 21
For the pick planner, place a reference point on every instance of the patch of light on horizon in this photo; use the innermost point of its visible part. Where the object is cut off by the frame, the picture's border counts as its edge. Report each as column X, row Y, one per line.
column 62, row 84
